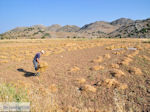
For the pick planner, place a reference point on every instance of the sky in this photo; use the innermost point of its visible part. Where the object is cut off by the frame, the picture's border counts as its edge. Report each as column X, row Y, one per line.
column 18, row 13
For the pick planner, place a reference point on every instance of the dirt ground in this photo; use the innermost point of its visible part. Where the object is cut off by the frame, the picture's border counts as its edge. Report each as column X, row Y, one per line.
column 100, row 74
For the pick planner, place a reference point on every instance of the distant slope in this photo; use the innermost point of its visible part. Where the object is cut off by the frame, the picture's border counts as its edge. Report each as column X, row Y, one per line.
column 68, row 28
column 136, row 29
column 54, row 27
column 122, row 27
column 122, row 22
column 100, row 26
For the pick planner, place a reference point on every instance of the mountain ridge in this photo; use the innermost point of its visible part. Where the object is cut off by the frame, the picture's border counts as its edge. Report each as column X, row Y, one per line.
column 122, row 27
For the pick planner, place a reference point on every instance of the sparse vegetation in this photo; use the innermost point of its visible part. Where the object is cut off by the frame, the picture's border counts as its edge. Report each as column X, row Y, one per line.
column 76, row 74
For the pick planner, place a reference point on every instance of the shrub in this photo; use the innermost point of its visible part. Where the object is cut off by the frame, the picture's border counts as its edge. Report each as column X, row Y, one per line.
column 11, row 93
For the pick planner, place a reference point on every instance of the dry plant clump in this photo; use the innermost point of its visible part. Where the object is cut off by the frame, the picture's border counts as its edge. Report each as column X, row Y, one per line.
column 107, row 56
column 134, row 70
column 74, row 69
column 115, row 66
column 4, row 61
column 3, row 57
column 97, row 67
column 88, row 88
column 139, row 47
column 146, row 58
column 98, row 60
column 126, row 61
column 110, row 47
column 113, row 83
column 53, row 88
column 116, row 53
column 135, row 53
column 117, row 73
column 123, row 86
column 81, row 80
column 42, row 66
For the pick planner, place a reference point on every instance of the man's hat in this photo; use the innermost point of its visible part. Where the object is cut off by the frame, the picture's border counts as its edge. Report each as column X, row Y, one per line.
column 42, row 51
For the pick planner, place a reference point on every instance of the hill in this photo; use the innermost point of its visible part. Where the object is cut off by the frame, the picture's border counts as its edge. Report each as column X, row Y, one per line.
column 136, row 29
column 122, row 27
column 122, row 22
column 101, row 26
column 68, row 28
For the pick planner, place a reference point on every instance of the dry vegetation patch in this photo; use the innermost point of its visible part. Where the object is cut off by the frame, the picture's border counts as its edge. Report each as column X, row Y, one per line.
column 117, row 73
column 88, row 88
column 81, row 80
column 115, row 66
column 74, row 69
column 42, row 66
column 136, row 71
column 98, row 60
column 107, row 56
column 53, row 88
column 96, row 68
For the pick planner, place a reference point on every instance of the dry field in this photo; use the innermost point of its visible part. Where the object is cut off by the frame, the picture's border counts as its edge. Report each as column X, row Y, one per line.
column 83, row 75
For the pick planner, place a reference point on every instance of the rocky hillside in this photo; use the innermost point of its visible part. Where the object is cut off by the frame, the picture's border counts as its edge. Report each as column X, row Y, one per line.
column 68, row 28
column 122, row 22
column 122, row 27
column 136, row 29
column 53, row 28
column 100, row 26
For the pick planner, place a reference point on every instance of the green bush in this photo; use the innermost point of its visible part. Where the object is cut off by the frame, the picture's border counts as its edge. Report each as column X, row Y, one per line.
column 11, row 93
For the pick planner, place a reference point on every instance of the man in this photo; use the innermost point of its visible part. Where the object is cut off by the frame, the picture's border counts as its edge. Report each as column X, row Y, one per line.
column 36, row 61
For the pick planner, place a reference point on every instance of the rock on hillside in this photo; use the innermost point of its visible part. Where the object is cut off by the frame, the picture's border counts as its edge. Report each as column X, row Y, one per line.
column 68, row 28
column 137, row 29
column 99, row 26
column 122, row 22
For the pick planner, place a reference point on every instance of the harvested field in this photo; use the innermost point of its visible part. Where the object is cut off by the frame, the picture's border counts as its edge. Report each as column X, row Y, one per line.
column 85, row 75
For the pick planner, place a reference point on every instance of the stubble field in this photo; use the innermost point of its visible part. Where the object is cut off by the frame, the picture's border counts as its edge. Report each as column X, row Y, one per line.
column 83, row 75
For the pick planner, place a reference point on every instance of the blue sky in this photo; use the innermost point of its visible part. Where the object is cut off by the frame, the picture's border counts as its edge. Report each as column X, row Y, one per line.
column 15, row 13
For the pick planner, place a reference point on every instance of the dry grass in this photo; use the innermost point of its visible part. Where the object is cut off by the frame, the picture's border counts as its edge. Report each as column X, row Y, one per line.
column 136, row 71
column 96, row 68
column 113, row 83
column 126, row 61
column 53, row 88
column 3, row 61
column 42, row 66
column 117, row 73
column 98, row 60
column 3, row 57
column 74, row 69
column 81, row 80
column 107, row 56
column 88, row 88
column 146, row 58
column 115, row 66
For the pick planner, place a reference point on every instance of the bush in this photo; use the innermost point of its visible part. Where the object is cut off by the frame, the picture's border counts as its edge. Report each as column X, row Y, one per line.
column 11, row 93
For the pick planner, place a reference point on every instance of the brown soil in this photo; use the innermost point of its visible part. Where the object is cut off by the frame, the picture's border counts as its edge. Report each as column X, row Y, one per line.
column 134, row 96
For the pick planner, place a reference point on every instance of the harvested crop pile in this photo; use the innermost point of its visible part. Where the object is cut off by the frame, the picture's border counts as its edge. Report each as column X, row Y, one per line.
column 126, row 61
column 42, row 66
column 81, row 80
column 117, row 73
column 112, row 83
column 134, row 70
column 107, row 56
column 88, row 88
column 74, row 69
column 97, row 67
column 98, row 60
column 114, row 65
column 53, row 88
